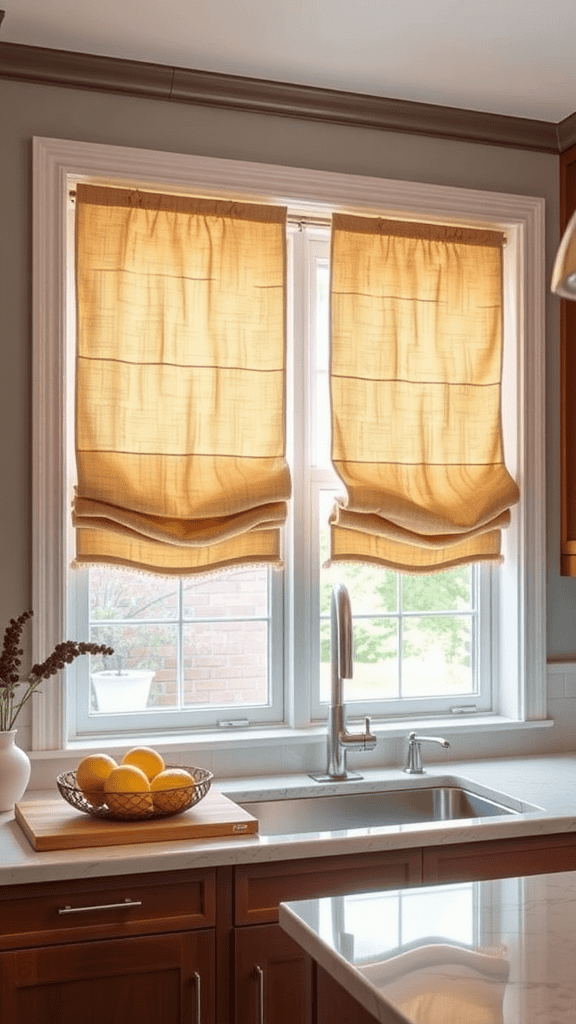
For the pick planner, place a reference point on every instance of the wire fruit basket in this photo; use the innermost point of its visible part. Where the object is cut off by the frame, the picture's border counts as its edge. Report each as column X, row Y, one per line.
column 139, row 806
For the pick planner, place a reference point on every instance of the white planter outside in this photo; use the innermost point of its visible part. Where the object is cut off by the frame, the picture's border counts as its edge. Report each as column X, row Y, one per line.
column 122, row 691
column 14, row 770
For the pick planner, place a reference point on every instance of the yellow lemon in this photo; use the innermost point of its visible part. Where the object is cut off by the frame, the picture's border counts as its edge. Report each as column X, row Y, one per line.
column 163, row 786
column 149, row 760
column 91, row 775
column 127, row 791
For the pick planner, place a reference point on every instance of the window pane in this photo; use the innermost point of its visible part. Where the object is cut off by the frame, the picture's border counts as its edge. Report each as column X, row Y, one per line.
column 322, row 317
column 135, row 676
column 375, row 660
column 243, row 593
column 220, row 661
column 438, row 592
column 436, row 657
column 117, row 594
column 226, row 664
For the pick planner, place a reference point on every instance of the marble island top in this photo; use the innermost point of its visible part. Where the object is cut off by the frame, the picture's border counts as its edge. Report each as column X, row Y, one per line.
column 498, row 952
column 546, row 781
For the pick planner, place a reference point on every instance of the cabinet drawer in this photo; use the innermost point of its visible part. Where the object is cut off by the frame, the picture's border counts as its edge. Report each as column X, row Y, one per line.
column 105, row 908
column 259, row 888
column 499, row 858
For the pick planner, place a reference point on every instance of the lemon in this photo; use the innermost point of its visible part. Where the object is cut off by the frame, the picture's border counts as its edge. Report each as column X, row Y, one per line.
column 91, row 775
column 127, row 791
column 163, row 786
column 149, row 760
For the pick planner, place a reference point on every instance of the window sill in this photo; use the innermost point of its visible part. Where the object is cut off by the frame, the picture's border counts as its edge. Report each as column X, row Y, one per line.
column 270, row 736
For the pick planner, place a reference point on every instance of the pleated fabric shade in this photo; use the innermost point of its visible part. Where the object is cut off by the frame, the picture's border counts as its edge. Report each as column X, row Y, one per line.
column 416, row 362
column 180, row 401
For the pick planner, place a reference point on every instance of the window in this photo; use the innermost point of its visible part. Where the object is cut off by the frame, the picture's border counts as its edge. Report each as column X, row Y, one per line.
column 463, row 614
column 420, row 642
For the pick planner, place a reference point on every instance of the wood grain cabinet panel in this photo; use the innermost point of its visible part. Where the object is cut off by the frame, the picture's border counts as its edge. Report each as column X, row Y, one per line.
column 164, row 979
column 273, row 977
column 334, row 1004
column 102, row 908
column 503, row 858
column 260, row 888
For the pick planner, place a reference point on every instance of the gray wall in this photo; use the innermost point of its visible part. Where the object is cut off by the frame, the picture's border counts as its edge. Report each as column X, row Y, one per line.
column 28, row 110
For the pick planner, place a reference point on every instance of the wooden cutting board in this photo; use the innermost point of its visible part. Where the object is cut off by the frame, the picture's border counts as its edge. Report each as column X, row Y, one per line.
column 51, row 824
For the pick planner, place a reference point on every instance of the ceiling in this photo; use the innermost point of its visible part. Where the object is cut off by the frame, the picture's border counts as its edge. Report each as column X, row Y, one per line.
column 513, row 57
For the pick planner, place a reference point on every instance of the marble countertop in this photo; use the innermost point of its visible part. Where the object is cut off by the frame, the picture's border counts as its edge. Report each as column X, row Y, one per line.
column 547, row 781
column 501, row 951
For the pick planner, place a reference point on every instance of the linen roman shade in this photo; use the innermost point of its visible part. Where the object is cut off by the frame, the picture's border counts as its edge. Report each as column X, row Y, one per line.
column 415, row 390
column 180, row 399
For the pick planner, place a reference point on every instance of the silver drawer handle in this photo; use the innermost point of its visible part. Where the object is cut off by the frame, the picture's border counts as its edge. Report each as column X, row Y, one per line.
column 198, row 982
column 260, row 974
column 104, row 906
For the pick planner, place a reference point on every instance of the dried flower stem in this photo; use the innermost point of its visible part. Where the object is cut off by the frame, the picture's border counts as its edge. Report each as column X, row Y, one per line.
column 11, row 703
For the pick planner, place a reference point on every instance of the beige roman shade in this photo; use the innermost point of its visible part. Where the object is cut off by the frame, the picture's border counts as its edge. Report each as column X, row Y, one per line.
column 415, row 390
column 180, row 402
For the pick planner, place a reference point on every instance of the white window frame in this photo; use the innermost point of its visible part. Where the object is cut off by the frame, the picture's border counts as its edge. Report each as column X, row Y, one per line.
column 521, row 661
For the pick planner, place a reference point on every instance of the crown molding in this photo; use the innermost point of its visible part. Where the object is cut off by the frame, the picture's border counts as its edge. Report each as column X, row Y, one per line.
column 566, row 133
column 159, row 81
column 84, row 71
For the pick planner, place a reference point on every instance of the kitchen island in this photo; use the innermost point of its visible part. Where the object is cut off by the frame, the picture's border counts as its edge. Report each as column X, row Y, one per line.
column 491, row 952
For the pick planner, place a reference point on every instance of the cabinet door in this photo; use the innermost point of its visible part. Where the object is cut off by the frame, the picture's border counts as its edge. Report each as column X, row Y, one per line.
column 273, row 977
column 164, row 979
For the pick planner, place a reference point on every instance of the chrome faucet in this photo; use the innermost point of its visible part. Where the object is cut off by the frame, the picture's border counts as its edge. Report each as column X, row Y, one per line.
column 414, row 762
column 341, row 667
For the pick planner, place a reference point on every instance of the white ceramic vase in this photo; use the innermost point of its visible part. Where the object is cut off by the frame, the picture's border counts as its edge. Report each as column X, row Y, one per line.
column 14, row 770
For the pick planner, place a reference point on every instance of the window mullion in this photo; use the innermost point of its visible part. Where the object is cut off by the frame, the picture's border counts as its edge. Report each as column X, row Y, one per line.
column 298, row 633
column 400, row 608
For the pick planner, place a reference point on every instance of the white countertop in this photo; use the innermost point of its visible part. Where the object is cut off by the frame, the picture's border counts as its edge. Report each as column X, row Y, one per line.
column 502, row 951
column 548, row 781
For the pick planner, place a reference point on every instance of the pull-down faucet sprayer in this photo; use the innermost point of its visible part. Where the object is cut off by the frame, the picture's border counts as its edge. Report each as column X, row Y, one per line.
column 341, row 667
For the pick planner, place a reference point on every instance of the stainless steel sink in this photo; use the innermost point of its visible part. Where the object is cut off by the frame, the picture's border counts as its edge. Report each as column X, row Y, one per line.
column 370, row 810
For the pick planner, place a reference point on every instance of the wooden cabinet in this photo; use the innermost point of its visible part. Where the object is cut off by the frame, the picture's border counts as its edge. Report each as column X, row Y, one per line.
column 568, row 382
column 272, row 973
column 165, row 947
column 102, row 951
column 498, row 858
